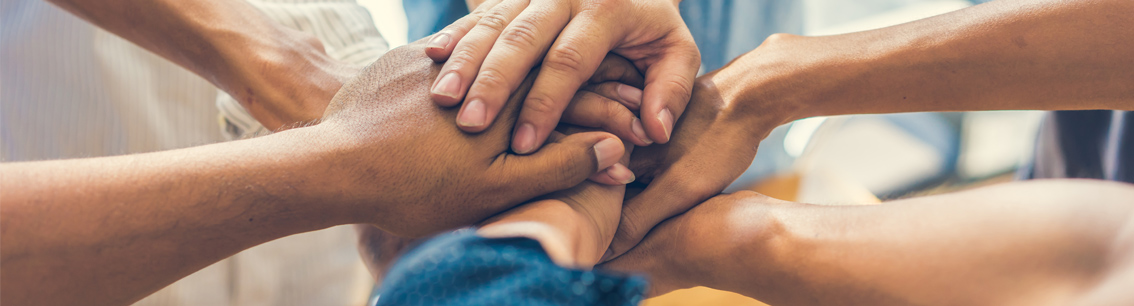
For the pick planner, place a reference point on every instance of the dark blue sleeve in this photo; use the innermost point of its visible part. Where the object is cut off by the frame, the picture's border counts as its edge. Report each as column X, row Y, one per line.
column 465, row 269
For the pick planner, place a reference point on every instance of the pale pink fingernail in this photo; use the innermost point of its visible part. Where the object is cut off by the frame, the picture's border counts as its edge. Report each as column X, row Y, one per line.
column 630, row 95
column 524, row 142
column 620, row 174
column 439, row 41
column 449, row 85
column 640, row 131
column 666, row 118
column 608, row 151
column 473, row 115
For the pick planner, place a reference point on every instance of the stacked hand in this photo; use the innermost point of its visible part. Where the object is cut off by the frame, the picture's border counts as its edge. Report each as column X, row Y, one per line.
column 418, row 173
column 488, row 53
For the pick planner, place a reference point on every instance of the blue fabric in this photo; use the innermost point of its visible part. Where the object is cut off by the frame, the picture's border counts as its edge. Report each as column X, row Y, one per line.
column 425, row 17
column 462, row 268
column 1096, row 144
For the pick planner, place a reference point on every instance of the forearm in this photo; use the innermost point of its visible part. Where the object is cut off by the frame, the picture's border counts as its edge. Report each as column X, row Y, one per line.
column 1008, row 54
column 111, row 230
column 267, row 67
column 1023, row 243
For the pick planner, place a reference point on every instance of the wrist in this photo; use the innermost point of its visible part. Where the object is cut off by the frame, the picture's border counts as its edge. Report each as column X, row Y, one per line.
column 281, row 78
column 794, row 77
column 739, row 244
column 305, row 165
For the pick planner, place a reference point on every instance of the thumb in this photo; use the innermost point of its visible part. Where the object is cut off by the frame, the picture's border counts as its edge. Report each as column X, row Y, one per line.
column 560, row 164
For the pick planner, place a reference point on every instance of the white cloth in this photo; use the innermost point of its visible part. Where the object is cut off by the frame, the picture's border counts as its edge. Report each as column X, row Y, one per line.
column 72, row 90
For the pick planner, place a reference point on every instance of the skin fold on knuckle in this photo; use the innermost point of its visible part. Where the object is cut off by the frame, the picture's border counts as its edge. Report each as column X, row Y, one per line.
column 565, row 57
column 494, row 20
column 462, row 57
column 522, row 35
column 540, row 108
column 681, row 90
column 494, row 81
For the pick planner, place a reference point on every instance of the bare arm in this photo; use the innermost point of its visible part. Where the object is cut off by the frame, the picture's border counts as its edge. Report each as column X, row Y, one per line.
column 1033, row 243
column 1008, row 54
column 280, row 75
column 111, row 230
column 108, row 231
column 1002, row 55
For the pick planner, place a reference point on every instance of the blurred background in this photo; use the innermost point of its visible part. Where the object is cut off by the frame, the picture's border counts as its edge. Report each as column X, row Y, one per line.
column 827, row 160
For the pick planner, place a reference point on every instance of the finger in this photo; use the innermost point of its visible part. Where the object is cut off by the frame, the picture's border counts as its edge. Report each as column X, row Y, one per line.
column 669, row 85
column 616, row 175
column 441, row 44
column 597, row 109
column 468, row 54
column 561, row 165
column 615, row 68
column 572, row 59
column 517, row 49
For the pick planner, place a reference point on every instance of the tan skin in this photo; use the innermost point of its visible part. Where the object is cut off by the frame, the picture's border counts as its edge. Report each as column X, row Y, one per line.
column 488, row 53
column 1002, row 55
column 1053, row 242
column 109, row 231
column 596, row 104
column 280, row 75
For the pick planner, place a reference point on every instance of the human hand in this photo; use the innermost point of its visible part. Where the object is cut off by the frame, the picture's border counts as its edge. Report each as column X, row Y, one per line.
column 574, row 226
column 489, row 52
column 694, row 248
column 288, row 80
column 403, row 167
column 732, row 110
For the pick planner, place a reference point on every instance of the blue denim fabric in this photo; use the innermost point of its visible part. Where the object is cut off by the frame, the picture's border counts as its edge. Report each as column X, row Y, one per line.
column 462, row 268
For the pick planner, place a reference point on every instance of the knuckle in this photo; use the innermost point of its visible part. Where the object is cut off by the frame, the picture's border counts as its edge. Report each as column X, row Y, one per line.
column 564, row 57
column 541, row 106
column 681, row 86
column 494, row 20
column 493, row 79
column 462, row 57
column 521, row 34
column 616, row 114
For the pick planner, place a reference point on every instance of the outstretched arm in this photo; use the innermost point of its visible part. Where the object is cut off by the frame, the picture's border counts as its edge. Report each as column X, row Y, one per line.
column 110, row 230
column 282, row 76
column 1002, row 55
column 1058, row 242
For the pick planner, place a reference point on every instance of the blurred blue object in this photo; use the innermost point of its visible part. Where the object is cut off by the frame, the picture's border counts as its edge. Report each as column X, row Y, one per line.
column 425, row 17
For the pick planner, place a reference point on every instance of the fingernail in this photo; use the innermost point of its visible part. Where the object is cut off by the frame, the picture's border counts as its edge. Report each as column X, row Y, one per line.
column 666, row 118
column 449, row 85
column 620, row 174
column 630, row 95
column 525, row 139
column 439, row 41
column 640, row 131
column 608, row 151
column 473, row 114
